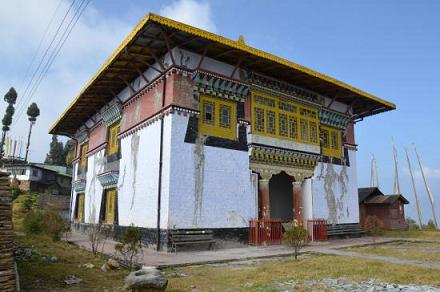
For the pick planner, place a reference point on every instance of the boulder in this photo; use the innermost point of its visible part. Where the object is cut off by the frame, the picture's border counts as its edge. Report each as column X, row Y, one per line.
column 146, row 279
column 113, row 264
column 105, row 268
column 54, row 259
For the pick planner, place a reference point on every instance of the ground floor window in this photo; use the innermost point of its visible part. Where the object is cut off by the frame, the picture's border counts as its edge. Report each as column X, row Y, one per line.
column 110, row 206
column 80, row 208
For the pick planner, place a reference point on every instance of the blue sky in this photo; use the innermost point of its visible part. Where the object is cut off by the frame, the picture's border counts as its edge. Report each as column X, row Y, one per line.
column 388, row 48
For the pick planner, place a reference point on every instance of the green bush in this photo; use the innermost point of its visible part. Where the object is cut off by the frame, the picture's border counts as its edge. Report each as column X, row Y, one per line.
column 46, row 221
column 412, row 224
column 295, row 236
column 130, row 246
column 429, row 226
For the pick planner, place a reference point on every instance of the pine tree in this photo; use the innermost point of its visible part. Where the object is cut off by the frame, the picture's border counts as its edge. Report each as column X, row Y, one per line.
column 10, row 98
column 69, row 152
column 33, row 112
column 56, row 152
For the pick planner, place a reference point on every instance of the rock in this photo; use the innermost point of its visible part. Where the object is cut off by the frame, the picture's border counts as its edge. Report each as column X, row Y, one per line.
column 72, row 280
column 105, row 268
column 113, row 264
column 88, row 266
column 27, row 252
column 146, row 279
column 54, row 259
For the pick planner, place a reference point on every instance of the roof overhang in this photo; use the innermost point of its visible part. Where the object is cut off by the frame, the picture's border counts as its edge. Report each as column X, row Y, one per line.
column 155, row 35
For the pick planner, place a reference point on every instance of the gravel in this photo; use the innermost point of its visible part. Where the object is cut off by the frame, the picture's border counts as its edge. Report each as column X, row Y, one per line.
column 370, row 285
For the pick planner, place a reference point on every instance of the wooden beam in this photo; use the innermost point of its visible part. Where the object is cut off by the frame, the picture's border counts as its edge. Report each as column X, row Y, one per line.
column 140, row 72
column 128, row 84
column 240, row 59
column 167, row 43
column 205, row 51
column 133, row 55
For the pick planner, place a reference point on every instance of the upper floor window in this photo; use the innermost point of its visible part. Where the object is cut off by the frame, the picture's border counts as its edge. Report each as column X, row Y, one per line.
column 331, row 142
column 83, row 156
column 217, row 117
column 113, row 142
column 280, row 118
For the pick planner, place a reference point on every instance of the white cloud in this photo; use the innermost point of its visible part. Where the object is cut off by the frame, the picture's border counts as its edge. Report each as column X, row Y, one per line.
column 430, row 173
column 191, row 12
column 22, row 24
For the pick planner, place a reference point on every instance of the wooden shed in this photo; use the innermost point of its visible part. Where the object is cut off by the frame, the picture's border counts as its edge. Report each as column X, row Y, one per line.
column 388, row 208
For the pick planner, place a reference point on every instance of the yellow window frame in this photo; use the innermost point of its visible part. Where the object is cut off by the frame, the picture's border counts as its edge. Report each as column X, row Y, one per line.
column 83, row 155
column 288, row 119
column 110, row 206
column 113, row 142
column 221, row 121
column 332, row 142
column 80, row 206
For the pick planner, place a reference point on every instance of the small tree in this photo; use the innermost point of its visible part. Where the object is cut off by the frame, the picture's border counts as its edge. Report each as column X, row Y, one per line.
column 69, row 151
column 33, row 112
column 56, row 152
column 373, row 226
column 430, row 225
column 412, row 224
column 295, row 236
column 97, row 236
column 130, row 246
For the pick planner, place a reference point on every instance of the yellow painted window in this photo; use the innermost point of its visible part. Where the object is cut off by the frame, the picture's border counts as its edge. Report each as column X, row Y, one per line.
column 110, row 206
column 83, row 158
column 80, row 206
column 218, row 117
column 280, row 118
column 331, row 142
column 113, row 142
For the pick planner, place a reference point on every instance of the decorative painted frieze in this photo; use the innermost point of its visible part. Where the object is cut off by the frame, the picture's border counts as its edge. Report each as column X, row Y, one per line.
column 333, row 119
column 79, row 185
column 108, row 179
column 82, row 136
column 279, row 86
column 211, row 84
column 112, row 114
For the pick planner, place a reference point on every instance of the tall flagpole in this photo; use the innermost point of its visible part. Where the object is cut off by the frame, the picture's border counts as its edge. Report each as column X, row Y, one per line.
column 396, row 171
column 428, row 190
column 374, row 178
column 414, row 188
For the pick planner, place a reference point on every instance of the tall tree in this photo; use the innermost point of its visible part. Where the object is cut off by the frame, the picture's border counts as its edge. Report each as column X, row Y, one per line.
column 56, row 152
column 10, row 98
column 33, row 112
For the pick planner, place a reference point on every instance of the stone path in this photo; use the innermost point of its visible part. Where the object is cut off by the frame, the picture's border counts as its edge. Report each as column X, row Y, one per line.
column 151, row 257
column 391, row 260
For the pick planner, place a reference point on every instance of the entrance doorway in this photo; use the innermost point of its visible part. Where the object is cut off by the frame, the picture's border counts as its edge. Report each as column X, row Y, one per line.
column 281, row 197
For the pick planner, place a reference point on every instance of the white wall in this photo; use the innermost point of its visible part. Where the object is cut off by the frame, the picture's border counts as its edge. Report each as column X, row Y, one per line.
column 335, row 192
column 139, row 174
column 210, row 187
column 93, row 192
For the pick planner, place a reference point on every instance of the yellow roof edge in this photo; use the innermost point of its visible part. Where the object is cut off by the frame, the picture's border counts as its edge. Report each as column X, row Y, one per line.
column 220, row 39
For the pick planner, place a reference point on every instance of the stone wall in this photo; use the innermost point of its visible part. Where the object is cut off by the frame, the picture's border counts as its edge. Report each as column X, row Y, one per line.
column 7, row 265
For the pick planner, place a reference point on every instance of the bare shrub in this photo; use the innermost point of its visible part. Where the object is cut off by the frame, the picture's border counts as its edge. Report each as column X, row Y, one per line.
column 295, row 236
column 130, row 246
column 97, row 235
column 373, row 226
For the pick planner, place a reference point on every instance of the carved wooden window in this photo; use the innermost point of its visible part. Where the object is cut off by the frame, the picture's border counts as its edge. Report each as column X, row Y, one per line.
column 218, row 117
column 283, row 125
column 225, row 116
column 80, row 208
column 270, row 122
column 113, row 142
column 284, row 119
column 331, row 142
column 110, row 206
column 83, row 156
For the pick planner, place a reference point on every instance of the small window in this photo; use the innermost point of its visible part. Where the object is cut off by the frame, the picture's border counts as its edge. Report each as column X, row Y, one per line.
column 325, row 139
column 270, row 122
column 34, row 172
column 283, row 125
column 208, row 113
column 331, row 142
column 225, row 116
column 304, row 130
column 334, row 140
column 113, row 142
column 293, row 128
column 83, row 159
column 259, row 119
column 313, row 132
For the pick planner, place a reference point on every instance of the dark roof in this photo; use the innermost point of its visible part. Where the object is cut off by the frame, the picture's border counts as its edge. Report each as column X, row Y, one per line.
column 373, row 195
column 155, row 35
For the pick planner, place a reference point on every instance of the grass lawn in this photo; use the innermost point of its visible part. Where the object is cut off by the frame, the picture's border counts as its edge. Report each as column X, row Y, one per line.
column 37, row 275
column 263, row 275
column 419, row 234
column 420, row 251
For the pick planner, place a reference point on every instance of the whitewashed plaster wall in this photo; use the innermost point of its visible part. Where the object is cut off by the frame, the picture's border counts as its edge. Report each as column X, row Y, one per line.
column 335, row 192
column 210, row 187
column 93, row 191
column 139, row 174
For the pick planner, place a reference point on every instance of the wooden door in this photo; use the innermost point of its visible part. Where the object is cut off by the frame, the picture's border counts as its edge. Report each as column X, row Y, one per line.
column 110, row 206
